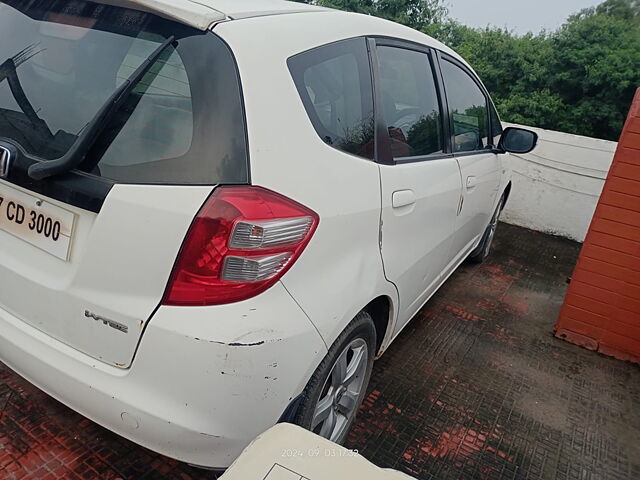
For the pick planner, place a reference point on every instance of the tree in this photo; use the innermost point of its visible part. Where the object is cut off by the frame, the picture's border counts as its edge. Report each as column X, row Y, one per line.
column 580, row 79
column 358, row 6
column 621, row 9
column 515, row 70
column 595, row 68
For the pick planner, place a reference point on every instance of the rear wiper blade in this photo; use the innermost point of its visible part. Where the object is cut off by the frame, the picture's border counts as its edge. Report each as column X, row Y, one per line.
column 98, row 123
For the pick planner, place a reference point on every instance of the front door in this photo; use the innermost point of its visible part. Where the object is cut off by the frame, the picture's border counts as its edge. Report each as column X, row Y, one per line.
column 472, row 144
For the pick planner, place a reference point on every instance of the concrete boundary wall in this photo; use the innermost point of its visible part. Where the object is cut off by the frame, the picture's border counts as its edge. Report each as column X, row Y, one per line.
column 557, row 186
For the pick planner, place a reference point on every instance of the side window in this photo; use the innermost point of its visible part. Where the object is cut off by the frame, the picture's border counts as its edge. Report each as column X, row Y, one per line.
column 334, row 82
column 410, row 102
column 468, row 108
column 496, row 124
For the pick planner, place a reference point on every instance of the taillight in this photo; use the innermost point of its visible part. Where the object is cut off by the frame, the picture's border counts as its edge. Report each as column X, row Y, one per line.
column 241, row 242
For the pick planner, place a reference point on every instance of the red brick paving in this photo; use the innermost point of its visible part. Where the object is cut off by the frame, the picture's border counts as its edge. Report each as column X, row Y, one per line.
column 476, row 387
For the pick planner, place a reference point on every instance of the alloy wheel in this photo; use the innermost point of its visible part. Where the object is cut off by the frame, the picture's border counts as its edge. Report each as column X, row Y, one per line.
column 493, row 226
column 339, row 400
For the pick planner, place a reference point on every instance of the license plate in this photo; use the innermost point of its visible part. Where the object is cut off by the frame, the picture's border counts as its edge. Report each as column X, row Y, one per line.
column 42, row 224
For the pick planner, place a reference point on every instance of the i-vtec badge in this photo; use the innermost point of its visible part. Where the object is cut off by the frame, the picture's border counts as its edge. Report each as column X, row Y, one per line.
column 109, row 323
column 5, row 161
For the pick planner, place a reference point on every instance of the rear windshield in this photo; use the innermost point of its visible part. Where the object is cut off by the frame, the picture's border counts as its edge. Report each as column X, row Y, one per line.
column 61, row 60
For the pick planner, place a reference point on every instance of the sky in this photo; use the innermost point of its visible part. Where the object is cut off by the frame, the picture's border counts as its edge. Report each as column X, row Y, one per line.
column 520, row 16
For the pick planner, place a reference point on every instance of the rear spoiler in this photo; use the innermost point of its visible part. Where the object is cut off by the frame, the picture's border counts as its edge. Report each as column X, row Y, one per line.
column 192, row 13
column 188, row 12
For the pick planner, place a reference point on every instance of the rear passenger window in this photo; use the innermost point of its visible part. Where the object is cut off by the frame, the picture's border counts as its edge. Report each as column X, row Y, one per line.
column 334, row 82
column 468, row 107
column 410, row 102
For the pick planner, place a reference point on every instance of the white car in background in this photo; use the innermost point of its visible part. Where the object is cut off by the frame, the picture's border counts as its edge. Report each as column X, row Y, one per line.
column 214, row 215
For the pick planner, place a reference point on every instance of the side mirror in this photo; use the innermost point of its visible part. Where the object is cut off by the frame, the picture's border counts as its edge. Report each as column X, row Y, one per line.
column 518, row 140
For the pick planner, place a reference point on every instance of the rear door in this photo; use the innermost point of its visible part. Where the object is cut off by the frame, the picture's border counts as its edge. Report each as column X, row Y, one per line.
column 472, row 144
column 420, row 180
column 85, row 256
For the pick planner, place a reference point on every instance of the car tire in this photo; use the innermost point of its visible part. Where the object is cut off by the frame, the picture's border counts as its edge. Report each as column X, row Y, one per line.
column 481, row 252
column 331, row 399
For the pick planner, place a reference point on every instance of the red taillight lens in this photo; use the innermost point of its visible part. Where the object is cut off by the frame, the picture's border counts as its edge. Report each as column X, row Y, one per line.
column 241, row 242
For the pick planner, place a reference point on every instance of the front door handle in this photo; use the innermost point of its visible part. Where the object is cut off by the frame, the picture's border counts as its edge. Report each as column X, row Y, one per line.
column 403, row 198
column 472, row 182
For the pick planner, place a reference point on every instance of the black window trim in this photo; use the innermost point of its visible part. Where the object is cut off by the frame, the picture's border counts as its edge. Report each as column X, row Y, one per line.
column 442, row 56
column 243, row 106
column 492, row 106
column 383, row 153
column 387, row 158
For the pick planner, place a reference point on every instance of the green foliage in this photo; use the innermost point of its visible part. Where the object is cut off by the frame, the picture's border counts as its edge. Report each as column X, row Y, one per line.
column 596, row 69
column 620, row 9
column 424, row 136
column 579, row 79
column 358, row 6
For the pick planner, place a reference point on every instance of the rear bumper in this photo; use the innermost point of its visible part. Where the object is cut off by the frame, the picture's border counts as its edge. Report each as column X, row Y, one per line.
column 204, row 383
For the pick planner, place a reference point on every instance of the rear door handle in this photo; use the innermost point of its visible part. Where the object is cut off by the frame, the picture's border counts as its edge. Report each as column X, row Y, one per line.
column 472, row 182
column 403, row 198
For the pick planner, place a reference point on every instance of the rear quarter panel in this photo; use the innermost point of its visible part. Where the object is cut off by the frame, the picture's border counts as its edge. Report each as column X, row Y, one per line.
column 341, row 270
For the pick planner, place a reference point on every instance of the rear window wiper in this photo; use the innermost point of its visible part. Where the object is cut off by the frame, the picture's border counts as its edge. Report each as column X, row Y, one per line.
column 98, row 123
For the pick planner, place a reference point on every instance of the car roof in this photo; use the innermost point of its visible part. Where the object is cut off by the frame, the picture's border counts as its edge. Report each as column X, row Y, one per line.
column 289, row 35
column 202, row 14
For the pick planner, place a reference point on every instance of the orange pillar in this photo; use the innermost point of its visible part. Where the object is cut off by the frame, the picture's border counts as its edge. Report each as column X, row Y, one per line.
column 602, row 308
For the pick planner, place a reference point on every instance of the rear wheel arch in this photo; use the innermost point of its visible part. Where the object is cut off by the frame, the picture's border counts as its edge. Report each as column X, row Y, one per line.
column 381, row 312
column 320, row 407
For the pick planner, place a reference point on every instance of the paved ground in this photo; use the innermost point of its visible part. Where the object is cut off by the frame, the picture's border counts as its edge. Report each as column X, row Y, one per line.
column 475, row 387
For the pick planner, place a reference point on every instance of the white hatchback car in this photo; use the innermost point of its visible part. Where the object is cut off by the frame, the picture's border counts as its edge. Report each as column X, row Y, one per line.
column 214, row 215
